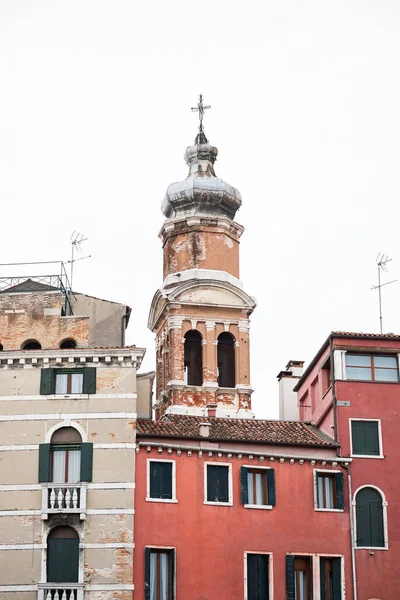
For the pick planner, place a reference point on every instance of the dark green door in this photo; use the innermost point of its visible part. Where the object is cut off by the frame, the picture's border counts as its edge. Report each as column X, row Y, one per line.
column 62, row 560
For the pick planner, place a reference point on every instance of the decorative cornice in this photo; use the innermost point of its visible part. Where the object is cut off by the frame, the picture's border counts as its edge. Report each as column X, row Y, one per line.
column 123, row 357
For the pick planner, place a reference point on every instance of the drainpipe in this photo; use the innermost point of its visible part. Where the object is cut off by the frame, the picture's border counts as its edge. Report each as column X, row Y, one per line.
column 336, row 436
column 353, row 556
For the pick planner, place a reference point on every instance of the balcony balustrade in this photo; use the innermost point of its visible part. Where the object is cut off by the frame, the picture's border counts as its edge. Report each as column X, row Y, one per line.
column 63, row 498
column 60, row 591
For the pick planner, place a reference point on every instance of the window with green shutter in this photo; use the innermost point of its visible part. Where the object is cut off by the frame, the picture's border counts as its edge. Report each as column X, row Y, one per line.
column 257, row 576
column 159, row 574
column 329, row 490
column 161, row 480
column 257, row 487
column 298, row 578
column 218, row 484
column 65, row 382
column 365, row 438
column 330, row 573
column 369, row 519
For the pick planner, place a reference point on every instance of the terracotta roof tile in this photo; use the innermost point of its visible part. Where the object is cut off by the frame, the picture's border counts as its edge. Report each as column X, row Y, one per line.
column 365, row 335
column 249, row 430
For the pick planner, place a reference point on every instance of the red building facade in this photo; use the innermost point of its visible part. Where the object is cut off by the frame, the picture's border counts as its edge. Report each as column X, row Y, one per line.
column 351, row 388
column 274, row 524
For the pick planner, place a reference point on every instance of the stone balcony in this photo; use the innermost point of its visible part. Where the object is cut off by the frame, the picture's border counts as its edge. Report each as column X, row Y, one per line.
column 64, row 498
column 60, row 591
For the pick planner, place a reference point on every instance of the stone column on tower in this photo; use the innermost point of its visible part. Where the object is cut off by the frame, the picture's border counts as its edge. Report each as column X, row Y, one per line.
column 200, row 315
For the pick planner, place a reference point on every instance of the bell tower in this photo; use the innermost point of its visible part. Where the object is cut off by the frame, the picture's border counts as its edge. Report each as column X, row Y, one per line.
column 200, row 315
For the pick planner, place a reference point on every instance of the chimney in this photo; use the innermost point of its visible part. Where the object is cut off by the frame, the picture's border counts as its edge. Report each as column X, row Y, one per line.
column 212, row 410
column 205, row 429
column 288, row 408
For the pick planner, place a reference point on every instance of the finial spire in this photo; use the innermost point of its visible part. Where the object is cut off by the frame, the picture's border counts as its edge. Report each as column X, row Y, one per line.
column 200, row 108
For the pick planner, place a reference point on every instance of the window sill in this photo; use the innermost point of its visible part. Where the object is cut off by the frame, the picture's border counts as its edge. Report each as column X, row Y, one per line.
column 335, row 510
column 259, row 506
column 67, row 396
column 164, row 500
column 368, row 381
column 371, row 548
column 218, row 503
column 367, row 456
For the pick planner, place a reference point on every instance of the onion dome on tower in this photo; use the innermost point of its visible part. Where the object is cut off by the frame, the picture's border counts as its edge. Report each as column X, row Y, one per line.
column 202, row 192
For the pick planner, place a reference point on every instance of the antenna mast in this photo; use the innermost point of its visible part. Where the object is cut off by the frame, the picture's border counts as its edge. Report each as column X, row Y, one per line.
column 76, row 240
column 381, row 261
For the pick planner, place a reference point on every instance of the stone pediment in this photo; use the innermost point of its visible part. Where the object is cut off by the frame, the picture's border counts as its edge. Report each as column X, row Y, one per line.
column 203, row 292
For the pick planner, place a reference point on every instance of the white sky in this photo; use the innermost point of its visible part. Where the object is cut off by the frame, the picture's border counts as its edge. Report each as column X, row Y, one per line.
column 95, row 117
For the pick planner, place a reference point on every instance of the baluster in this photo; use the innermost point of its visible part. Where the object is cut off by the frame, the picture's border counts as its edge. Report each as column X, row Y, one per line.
column 52, row 503
column 67, row 500
column 59, row 500
column 75, row 498
column 48, row 596
column 56, row 595
column 64, row 596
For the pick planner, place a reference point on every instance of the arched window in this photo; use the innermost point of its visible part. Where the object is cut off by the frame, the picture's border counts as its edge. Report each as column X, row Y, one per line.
column 31, row 345
column 1, row 347
column 66, row 455
column 369, row 519
column 68, row 343
column 226, row 360
column 193, row 359
column 63, row 556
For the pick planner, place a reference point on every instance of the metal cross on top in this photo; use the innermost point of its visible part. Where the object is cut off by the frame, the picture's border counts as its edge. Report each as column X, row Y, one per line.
column 200, row 108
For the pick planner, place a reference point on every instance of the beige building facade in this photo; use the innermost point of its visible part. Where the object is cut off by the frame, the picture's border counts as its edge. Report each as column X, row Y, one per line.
column 68, row 408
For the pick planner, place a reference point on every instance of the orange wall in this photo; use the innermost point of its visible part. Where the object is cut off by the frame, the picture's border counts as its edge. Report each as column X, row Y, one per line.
column 210, row 541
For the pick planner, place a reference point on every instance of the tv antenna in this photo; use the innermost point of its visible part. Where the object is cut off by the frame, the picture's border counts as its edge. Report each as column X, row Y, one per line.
column 76, row 240
column 381, row 261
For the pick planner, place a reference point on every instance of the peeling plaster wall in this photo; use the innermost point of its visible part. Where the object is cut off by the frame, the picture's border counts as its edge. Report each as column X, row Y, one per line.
column 112, row 466
column 106, row 320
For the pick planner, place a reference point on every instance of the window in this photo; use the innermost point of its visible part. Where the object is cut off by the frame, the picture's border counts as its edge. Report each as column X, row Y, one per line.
column 66, row 455
column 367, row 367
column 365, row 438
column 68, row 381
column 329, row 492
column 63, row 555
column 159, row 578
column 298, row 578
column 161, row 480
column 193, row 358
column 226, row 360
column 68, row 343
column 257, row 487
column 257, row 579
column 1, row 348
column 66, row 459
column 31, row 345
column 330, row 572
column 369, row 519
column 218, row 483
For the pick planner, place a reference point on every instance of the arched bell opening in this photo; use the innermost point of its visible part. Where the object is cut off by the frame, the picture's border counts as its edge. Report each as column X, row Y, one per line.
column 193, row 358
column 226, row 360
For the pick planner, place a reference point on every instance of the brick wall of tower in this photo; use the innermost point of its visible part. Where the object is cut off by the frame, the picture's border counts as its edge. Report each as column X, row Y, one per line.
column 192, row 244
